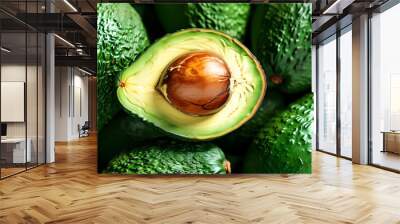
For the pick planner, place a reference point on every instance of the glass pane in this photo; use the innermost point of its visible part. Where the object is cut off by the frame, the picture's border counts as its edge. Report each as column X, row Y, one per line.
column 386, row 89
column 327, row 96
column 13, row 86
column 32, row 97
column 346, row 93
column 32, row 8
column 314, row 84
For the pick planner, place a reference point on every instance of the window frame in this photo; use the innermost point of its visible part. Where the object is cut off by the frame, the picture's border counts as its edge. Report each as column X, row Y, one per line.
column 334, row 37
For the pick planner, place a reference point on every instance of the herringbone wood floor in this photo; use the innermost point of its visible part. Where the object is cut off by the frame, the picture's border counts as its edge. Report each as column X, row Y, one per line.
column 70, row 191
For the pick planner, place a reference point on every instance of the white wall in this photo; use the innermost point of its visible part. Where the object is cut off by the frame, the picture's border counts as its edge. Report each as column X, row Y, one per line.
column 80, row 112
column 71, row 102
column 62, row 81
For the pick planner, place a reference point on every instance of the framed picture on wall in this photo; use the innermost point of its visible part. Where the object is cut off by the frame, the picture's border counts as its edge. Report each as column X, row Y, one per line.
column 204, row 88
column 13, row 101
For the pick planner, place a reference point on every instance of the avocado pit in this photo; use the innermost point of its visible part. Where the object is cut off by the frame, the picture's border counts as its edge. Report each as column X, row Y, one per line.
column 196, row 83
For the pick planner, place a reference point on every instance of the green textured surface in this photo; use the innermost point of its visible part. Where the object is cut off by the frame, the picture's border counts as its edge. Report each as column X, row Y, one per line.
column 284, row 144
column 122, row 133
column 153, row 26
column 171, row 158
column 239, row 140
column 281, row 40
column 230, row 18
column 121, row 37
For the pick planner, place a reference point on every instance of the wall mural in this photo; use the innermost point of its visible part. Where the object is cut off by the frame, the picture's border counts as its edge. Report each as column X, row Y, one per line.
column 204, row 88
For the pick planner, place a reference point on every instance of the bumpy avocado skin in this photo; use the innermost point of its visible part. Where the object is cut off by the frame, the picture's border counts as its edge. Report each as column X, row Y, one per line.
column 284, row 144
column 121, row 134
column 230, row 18
column 153, row 26
column 238, row 141
column 121, row 38
column 171, row 157
column 281, row 40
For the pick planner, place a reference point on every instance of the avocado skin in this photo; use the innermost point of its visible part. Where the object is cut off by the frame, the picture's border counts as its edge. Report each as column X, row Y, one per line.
column 153, row 26
column 121, row 134
column 230, row 18
column 238, row 141
column 170, row 157
column 281, row 40
column 284, row 144
column 121, row 38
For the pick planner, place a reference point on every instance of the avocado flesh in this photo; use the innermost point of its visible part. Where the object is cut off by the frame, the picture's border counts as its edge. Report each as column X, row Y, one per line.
column 121, row 38
column 284, row 144
column 230, row 18
column 281, row 40
column 138, row 92
column 171, row 158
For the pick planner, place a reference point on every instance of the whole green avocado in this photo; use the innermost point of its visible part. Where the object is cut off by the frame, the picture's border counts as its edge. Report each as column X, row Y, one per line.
column 171, row 157
column 284, row 144
column 281, row 40
column 230, row 18
column 121, row 37
column 238, row 141
column 121, row 134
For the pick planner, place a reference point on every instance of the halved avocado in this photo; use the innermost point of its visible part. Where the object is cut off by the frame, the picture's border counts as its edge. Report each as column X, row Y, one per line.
column 121, row 37
column 197, row 84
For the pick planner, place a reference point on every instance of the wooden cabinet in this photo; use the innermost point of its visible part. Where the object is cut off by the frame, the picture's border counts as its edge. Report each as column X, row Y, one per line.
column 391, row 142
